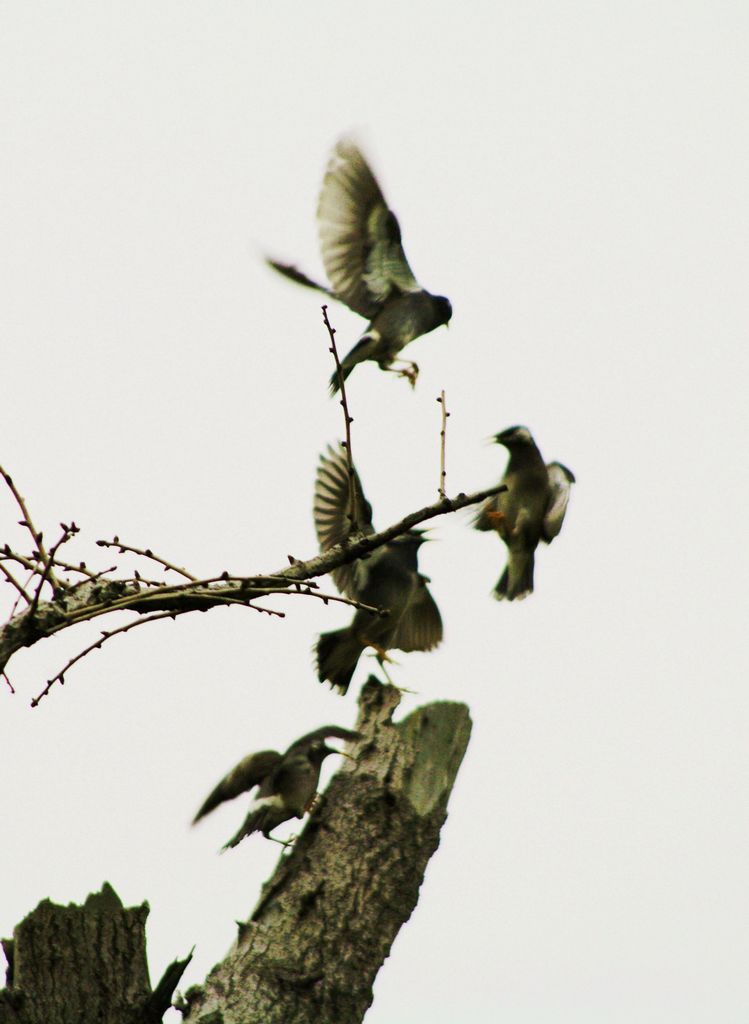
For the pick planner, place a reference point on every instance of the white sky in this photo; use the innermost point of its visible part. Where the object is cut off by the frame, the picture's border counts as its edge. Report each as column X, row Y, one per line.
column 574, row 178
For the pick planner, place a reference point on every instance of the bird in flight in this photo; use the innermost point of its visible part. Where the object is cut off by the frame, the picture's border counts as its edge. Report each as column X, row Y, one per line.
column 287, row 783
column 388, row 578
column 532, row 509
column 361, row 247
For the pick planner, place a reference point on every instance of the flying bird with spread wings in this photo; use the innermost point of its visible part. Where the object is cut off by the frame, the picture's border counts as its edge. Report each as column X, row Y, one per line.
column 287, row 783
column 363, row 255
column 531, row 510
column 388, row 579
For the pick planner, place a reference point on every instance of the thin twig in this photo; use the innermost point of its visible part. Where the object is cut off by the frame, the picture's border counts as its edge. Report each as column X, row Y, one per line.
column 81, row 568
column 348, row 420
column 10, row 685
column 443, row 434
column 11, row 579
column 145, row 553
column 91, row 577
column 67, row 533
column 106, row 634
column 27, row 522
column 300, row 588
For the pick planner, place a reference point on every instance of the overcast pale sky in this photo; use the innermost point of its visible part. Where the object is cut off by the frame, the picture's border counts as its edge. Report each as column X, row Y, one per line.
column 574, row 178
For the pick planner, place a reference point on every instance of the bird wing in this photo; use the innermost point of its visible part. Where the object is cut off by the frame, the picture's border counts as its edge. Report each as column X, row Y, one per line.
column 561, row 480
column 360, row 237
column 250, row 772
column 325, row 731
column 420, row 627
column 332, row 513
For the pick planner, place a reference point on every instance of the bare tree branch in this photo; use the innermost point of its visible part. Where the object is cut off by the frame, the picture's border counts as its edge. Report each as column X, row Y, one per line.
column 93, row 597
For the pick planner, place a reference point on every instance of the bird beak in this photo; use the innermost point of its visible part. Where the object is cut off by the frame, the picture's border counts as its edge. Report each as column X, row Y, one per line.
column 344, row 754
column 423, row 533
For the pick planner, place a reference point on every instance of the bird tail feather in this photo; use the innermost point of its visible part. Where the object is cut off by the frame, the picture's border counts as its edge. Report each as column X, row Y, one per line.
column 335, row 382
column 516, row 582
column 293, row 274
column 260, row 820
column 362, row 350
column 338, row 654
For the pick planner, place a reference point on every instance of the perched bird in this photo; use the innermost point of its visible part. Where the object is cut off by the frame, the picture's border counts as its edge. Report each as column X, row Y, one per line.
column 287, row 782
column 367, row 268
column 530, row 510
column 388, row 578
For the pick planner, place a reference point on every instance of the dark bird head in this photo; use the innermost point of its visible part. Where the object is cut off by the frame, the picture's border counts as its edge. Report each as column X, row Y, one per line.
column 411, row 540
column 443, row 310
column 515, row 437
column 317, row 752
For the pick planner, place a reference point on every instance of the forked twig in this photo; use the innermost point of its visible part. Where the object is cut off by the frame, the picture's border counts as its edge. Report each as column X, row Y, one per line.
column 27, row 522
column 67, row 533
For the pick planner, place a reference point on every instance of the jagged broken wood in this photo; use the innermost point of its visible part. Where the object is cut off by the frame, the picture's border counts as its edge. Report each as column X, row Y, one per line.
column 80, row 965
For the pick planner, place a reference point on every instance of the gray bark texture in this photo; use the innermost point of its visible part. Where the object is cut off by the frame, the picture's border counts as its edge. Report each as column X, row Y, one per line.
column 326, row 919
column 80, row 965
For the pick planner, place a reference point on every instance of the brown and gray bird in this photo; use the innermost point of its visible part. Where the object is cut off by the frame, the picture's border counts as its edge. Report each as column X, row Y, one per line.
column 388, row 578
column 287, row 782
column 530, row 510
column 367, row 268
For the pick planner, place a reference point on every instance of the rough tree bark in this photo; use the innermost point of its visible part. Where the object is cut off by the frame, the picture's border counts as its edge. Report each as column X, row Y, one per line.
column 327, row 918
column 78, row 964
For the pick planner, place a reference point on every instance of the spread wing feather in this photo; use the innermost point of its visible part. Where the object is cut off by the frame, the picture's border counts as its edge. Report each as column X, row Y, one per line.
column 360, row 237
column 420, row 628
column 250, row 772
column 560, row 485
column 332, row 512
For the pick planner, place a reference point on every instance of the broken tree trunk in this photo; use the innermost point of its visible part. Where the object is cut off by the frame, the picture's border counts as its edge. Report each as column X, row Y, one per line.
column 325, row 922
column 75, row 965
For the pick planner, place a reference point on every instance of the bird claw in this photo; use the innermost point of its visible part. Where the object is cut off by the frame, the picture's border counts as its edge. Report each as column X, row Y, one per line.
column 382, row 657
column 283, row 842
column 312, row 803
column 410, row 372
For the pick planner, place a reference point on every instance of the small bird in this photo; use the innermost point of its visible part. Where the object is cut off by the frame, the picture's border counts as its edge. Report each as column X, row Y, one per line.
column 530, row 510
column 388, row 578
column 360, row 241
column 287, row 782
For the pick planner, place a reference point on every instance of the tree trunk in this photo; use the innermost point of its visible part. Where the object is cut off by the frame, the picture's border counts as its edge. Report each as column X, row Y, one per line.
column 75, row 965
column 325, row 922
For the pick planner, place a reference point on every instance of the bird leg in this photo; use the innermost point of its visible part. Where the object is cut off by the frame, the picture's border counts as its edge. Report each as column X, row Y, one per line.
column 312, row 803
column 284, row 842
column 409, row 370
column 382, row 657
